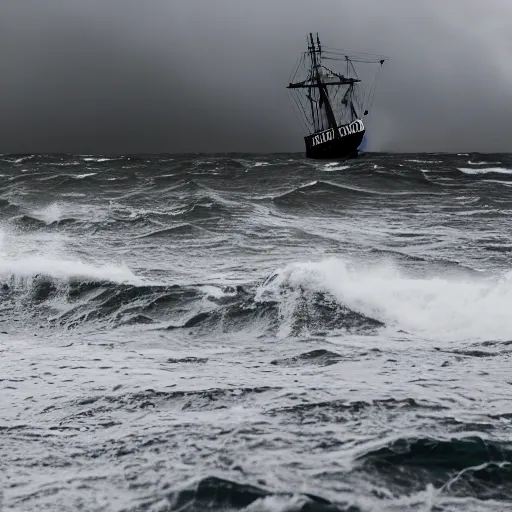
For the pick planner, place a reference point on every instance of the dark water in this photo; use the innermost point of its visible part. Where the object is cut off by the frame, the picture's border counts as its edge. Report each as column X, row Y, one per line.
column 259, row 333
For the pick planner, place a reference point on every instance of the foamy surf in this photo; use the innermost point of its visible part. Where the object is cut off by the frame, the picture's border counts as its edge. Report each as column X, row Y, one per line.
column 59, row 211
column 485, row 170
column 22, row 258
column 334, row 166
column 31, row 266
column 433, row 306
column 97, row 160
column 85, row 175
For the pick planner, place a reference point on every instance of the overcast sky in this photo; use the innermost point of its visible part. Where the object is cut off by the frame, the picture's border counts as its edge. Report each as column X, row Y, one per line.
column 126, row 76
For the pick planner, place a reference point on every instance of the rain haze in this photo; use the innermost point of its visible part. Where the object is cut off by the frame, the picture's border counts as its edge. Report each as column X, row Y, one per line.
column 199, row 76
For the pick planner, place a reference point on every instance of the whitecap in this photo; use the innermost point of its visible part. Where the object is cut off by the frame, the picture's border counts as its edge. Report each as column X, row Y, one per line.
column 483, row 163
column 81, row 176
column 334, row 167
column 91, row 159
column 434, row 306
column 486, row 170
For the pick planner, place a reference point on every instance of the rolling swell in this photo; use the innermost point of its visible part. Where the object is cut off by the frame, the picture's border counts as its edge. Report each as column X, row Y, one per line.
column 319, row 193
column 467, row 466
column 32, row 223
column 214, row 493
column 73, row 302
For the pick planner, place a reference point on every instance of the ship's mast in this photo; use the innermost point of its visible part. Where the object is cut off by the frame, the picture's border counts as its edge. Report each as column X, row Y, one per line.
column 322, row 89
column 314, row 81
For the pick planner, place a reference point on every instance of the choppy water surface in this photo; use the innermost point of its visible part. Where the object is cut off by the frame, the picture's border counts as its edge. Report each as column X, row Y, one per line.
column 260, row 333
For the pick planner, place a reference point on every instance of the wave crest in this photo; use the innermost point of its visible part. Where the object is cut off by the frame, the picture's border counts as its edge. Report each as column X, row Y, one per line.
column 446, row 308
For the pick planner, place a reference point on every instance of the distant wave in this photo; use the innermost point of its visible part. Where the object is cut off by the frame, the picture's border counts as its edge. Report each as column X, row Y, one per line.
column 417, row 161
column 319, row 191
column 470, row 162
column 86, row 175
column 317, row 187
column 98, row 159
column 334, row 166
column 179, row 229
column 486, row 170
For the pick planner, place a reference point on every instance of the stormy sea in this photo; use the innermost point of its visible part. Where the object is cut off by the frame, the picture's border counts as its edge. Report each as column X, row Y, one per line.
column 256, row 333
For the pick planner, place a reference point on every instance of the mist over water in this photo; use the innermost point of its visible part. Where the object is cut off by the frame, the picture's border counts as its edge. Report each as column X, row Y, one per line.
column 256, row 332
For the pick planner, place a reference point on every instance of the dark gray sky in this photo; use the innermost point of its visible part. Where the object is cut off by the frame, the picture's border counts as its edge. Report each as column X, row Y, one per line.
column 118, row 76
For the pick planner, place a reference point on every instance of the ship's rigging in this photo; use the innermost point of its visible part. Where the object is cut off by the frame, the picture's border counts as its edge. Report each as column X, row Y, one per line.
column 328, row 97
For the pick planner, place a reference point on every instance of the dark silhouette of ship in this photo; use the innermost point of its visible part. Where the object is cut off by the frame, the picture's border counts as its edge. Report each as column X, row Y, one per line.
column 330, row 102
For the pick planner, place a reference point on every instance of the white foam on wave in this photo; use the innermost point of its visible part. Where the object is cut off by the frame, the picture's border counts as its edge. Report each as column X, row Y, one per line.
column 82, row 176
column 60, row 210
column 485, row 170
column 52, row 213
column 91, row 159
column 433, row 306
column 23, row 159
column 482, row 163
column 30, row 266
column 74, row 194
column 19, row 260
column 425, row 161
column 331, row 167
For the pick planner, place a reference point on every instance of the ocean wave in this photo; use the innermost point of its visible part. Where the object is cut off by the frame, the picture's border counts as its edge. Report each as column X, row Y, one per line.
column 59, row 214
column 98, row 159
column 418, row 161
column 342, row 411
column 214, row 493
column 446, row 308
column 34, row 223
column 193, row 400
column 334, row 166
column 183, row 211
column 470, row 162
column 28, row 267
column 318, row 191
column 184, row 229
column 301, row 299
column 466, row 466
column 86, row 175
column 486, row 170
column 73, row 293
column 318, row 357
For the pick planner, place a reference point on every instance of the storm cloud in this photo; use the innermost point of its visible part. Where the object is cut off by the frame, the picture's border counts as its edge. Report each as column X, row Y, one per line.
column 119, row 76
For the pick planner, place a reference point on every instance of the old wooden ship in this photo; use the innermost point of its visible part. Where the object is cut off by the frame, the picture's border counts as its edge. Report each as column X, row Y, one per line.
column 330, row 101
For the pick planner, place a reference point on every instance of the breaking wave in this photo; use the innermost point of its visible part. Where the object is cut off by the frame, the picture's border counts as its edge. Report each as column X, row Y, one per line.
column 300, row 299
column 432, row 306
column 485, row 170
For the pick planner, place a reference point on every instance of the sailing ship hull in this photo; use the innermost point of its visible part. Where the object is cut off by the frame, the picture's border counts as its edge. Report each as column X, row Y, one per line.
column 342, row 142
